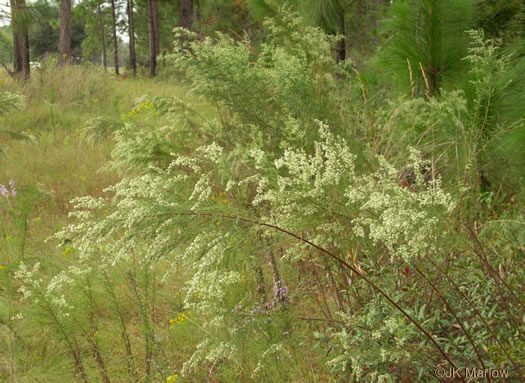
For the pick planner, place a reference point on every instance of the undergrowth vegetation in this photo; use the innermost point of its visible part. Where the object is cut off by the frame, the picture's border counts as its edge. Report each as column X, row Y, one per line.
column 263, row 221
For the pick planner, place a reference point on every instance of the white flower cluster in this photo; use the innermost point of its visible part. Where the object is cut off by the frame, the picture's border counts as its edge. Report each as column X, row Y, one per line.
column 360, row 349
column 404, row 221
column 208, row 352
column 300, row 185
column 29, row 279
column 206, row 290
column 51, row 294
column 305, row 189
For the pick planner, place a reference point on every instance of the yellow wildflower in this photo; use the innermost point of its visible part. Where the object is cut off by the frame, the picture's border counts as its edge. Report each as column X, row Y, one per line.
column 181, row 317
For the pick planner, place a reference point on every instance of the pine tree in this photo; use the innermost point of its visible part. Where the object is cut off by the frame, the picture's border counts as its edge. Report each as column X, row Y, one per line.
column 153, row 34
column 131, row 30
column 20, row 19
column 64, row 45
column 428, row 38
column 115, row 39
column 185, row 13
column 102, row 38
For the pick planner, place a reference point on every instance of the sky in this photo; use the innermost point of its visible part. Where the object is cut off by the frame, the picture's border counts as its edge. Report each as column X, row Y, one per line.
column 4, row 8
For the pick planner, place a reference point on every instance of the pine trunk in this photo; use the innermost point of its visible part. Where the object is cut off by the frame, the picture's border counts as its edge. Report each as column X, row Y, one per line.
column 197, row 14
column 102, row 38
column 360, row 25
column 64, row 45
column 115, row 40
column 153, row 33
column 185, row 13
column 20, row 42
column 156, row 35
column 341, row 45
column 132, row 55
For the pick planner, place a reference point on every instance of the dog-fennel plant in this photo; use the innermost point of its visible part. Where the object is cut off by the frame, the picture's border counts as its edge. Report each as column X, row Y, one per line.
column 283, row 217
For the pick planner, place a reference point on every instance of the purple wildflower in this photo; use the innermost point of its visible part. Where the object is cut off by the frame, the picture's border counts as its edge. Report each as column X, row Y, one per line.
column 280, row 292
column 12, row 187
column 3, row 191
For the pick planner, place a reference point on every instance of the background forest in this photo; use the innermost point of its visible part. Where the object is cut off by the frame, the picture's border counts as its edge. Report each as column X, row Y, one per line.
column 262, row 191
